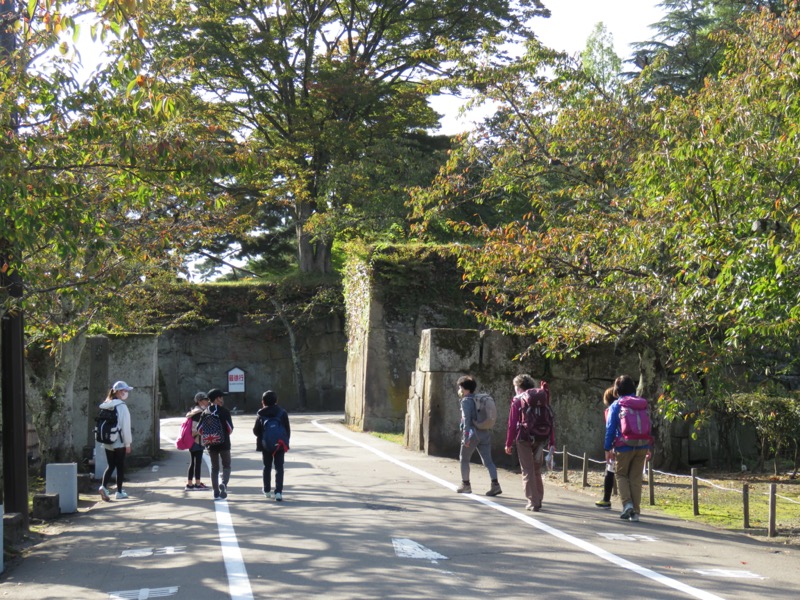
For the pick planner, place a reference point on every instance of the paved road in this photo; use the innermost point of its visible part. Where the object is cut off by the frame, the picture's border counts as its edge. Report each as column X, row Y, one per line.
column 363, row 518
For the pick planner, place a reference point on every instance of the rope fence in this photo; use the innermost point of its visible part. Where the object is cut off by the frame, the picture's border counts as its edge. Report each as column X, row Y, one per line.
column 696, row 481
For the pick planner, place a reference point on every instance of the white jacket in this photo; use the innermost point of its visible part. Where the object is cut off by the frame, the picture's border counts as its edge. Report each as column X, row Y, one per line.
column 123, row 424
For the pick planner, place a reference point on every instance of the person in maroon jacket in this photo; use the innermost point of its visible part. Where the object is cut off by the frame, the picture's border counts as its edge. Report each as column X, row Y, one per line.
column 530, row 450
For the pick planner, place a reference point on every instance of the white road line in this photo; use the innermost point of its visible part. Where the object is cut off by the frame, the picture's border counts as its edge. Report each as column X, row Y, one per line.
column 238, row 582
column 582, row 544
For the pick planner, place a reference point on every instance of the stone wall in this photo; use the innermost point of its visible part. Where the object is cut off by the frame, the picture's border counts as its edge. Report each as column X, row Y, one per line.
column 390, row 299
column 104, row 360
column 576, row 388
column 198, row 360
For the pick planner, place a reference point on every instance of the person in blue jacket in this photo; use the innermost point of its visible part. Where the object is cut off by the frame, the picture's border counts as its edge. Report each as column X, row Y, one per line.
column 271, row 410
column 629, row 458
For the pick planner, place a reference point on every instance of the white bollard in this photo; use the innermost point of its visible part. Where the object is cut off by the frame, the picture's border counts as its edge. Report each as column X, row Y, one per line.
column 62, row 479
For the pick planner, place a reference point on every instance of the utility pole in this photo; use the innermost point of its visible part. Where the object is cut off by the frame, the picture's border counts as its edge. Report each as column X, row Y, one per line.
column 12, row 331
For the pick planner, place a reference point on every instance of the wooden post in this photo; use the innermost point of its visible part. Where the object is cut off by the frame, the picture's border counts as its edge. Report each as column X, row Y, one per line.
column 746, row 504
column 585, row 470
column 772, row 499
column 651, row 483
column 695, row 498
column 566, row 465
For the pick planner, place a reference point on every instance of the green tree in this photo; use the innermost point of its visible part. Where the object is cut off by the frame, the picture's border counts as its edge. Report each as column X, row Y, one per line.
column 328, row 99
column 724, row 164
column 600, row 60
column 563, row 257
column 98, row 186
column 686, row 48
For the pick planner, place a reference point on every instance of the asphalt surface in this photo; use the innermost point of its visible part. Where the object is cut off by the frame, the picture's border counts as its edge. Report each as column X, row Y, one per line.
column 364, row 518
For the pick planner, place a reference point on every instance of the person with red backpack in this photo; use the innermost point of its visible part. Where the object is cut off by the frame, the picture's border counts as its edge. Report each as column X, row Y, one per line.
column 628, row 443
column 531, row 426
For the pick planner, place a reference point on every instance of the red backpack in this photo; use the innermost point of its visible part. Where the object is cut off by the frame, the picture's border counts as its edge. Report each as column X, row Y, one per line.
column 185, row 439
column 537, row 419
column 634, row 422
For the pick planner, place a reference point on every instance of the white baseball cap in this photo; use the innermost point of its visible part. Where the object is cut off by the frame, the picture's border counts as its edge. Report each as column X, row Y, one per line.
column 121, row 385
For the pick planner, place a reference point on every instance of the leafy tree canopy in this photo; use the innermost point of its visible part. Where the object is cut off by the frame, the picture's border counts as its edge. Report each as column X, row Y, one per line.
column 327, row 101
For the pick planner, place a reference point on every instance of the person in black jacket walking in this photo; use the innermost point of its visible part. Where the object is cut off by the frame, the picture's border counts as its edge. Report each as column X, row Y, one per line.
column 274, row 418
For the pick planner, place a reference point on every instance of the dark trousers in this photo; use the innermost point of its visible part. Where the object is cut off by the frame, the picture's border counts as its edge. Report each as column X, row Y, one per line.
column 195, row 464
column 216, row 455
column 270, row 459
column 116, row 461
column 608, row 485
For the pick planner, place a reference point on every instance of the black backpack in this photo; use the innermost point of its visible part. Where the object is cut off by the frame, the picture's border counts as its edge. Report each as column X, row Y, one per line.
column 106, row 430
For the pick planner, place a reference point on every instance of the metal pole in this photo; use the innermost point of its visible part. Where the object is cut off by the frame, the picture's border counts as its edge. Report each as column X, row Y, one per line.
column 695, row 499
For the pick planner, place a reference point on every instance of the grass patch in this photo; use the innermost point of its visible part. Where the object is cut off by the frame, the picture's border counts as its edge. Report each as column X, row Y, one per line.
column 720, row 499
column 396, row 438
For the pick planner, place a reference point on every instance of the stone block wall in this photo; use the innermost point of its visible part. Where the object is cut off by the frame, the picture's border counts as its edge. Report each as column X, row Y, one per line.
column 576, row 387
column 198, row 360
column 390, row 302
column 104, row 360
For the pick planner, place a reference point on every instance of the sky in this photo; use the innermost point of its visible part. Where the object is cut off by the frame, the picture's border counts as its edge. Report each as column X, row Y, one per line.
column 567, row 29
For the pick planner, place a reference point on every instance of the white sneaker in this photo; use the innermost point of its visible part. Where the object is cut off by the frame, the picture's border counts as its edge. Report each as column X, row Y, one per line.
column 121, row 496
column 634, row 517
column 278, row 497
column 627, row 512
column 104, row 493
column 269, row 495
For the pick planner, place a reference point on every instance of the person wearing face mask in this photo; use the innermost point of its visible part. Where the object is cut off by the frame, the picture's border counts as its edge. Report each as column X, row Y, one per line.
column 121, row 447
column 473, row 439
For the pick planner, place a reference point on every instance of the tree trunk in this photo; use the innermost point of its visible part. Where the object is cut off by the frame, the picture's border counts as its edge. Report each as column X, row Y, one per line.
column 297, row 363
column 651, row 382
column 313, row 254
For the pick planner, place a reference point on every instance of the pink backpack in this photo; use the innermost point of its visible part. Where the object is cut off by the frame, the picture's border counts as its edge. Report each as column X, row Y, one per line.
column 634, row 422
column 185, row 440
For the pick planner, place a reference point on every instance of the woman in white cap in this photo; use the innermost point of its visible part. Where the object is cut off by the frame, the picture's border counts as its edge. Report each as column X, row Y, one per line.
column 117, row 450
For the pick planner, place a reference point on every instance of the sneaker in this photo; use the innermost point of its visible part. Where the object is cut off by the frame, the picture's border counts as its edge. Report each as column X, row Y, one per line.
column 603, row 504
column 223, row 493
column 121, row 495
column 464, row 488
column 495, row 490
column 537, row 509
column 216, row 496
column 627, row 512
column 635, row 517
column 529, row 506
column 104, row 493
column 278, row 497
column 268, row 495
column 200, row 486
column 189, row 487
